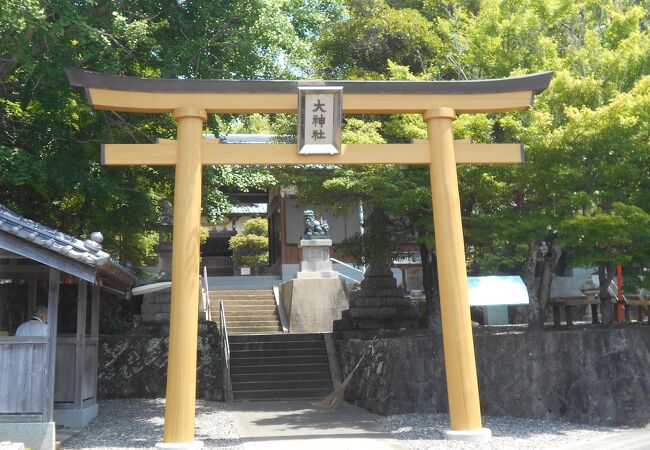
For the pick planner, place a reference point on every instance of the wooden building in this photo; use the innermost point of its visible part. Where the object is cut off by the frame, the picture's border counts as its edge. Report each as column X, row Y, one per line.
column 53, row 378
column 286, row 227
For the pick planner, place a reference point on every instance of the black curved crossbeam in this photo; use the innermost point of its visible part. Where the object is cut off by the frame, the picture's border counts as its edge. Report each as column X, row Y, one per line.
column 536, row 83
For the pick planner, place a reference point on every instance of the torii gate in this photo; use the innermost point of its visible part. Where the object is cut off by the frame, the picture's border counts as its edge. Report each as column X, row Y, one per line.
column 190, row 101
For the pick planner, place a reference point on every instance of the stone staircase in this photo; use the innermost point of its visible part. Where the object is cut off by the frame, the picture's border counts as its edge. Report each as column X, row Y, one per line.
column 247, row 311
column 279, row 367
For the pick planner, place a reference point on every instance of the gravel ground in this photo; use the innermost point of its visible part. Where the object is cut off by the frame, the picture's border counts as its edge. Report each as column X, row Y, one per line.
column 424, row 431
column 137, row 424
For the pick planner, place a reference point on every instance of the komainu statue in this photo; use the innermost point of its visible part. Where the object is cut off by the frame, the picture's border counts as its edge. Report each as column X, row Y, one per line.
column 315, row 229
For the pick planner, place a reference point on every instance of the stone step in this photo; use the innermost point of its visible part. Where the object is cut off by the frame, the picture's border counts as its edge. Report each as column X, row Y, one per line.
column 253, row 315
column 248, row 311
column 280, row 368
column 245, row 307
column 248, row 330
column 244, row 303
column 241, row 297
column 275, row 360
column 269, row 315
column 251, row 312
column 282, row 376
column 281, row 338
column 237, row 293
column 279, row 353
column 281, row 394
column 250, row 322
column 280, row 345
column 281, row 385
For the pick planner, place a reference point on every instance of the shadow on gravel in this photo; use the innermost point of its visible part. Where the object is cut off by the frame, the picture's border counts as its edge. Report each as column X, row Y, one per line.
column 138, row 423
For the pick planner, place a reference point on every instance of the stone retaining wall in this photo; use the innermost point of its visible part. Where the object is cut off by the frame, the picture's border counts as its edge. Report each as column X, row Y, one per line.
column 590, row 375
column 135, row 364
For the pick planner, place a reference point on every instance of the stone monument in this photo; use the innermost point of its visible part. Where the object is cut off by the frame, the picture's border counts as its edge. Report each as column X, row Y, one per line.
column 164, row 247
column 316, row 297
column 379, row 308
column 156, row 301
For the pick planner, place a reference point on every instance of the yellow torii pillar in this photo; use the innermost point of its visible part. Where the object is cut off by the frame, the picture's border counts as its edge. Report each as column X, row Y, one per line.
column 183, row 318
column 460, row 366
column 190, row 101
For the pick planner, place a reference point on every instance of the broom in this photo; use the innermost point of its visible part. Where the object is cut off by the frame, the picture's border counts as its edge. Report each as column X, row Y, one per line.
column 333, row 400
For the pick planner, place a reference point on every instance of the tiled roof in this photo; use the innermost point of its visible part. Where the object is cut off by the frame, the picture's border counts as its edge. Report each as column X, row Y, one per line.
column 88, row 251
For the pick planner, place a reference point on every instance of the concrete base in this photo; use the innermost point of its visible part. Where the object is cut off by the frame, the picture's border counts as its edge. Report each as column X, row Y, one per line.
column 75, row 418
column 312, row 275
column 37, row 436
column 496, row 314
column 194, row 445
column 484, row 434
column 312, row 305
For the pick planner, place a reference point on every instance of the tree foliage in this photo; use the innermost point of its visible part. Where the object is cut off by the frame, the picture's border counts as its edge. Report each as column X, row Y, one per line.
column 250, row 247
column 586, row 143
column 50, row 139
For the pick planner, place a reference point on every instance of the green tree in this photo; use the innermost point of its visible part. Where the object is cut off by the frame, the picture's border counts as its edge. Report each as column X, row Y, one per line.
column 49, row 138
column 596, row 48
column 250, row 247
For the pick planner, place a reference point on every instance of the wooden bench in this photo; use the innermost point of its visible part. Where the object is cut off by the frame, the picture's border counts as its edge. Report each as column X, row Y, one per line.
column 568, row 303
column 642, row 309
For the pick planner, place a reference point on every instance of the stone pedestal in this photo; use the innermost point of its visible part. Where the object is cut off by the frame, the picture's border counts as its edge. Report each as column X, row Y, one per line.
column 316, row 297
column 313, row 304
column 315, row 259
column 379, row 308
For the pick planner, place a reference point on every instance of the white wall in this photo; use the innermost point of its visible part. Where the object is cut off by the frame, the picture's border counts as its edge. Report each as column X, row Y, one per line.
column 341, row 227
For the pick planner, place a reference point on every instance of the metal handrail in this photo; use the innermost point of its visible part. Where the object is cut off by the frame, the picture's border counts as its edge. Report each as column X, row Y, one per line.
column 225, row 351
column 349, row 267
column 202, row 301
column 347, row 277
column 206, row 299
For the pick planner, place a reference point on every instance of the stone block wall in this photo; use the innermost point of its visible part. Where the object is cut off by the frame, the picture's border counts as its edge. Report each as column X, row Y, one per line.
column 156, row 306
column 591, row 375
column 134, row 364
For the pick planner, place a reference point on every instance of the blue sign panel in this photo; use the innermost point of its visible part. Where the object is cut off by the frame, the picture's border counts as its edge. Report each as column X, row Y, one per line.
column 497, row 290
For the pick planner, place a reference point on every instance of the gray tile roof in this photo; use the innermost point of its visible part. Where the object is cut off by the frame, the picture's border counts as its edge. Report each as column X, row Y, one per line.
column 87, row 251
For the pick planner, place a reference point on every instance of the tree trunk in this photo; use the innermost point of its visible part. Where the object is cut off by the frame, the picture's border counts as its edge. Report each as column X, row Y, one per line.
column 545, row 282
column 539, row 293
column 606, row 273
column 535, row 317
column 430, row 286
